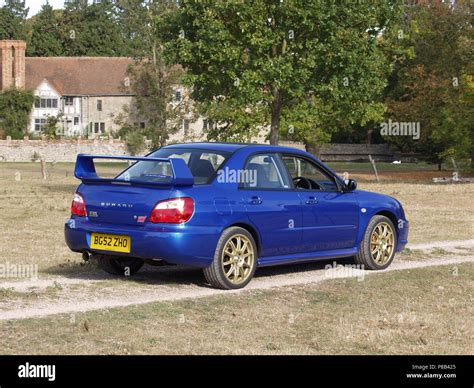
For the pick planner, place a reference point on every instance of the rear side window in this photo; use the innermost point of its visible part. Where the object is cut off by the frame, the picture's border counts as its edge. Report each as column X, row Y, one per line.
column 265, row 173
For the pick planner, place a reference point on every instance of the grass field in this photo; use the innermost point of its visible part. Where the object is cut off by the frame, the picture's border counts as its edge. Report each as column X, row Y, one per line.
column 423, row 311
column 412, row 311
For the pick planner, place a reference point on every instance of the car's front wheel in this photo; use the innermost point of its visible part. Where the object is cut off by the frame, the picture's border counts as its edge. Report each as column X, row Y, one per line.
column 119, row 266
column 377, row 249
column 235, row 260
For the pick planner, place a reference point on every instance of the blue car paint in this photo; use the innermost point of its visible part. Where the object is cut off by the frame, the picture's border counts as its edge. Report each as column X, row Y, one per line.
column 324, row 224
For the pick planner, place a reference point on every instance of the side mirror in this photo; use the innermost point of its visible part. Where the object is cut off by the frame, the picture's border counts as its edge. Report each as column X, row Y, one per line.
column 351, row 184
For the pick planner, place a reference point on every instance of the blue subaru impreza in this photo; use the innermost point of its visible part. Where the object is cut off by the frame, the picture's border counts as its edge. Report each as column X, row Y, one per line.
column 228, row 209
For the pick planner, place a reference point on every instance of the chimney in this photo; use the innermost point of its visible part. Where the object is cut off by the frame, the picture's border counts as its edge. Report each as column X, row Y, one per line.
column 12, row 64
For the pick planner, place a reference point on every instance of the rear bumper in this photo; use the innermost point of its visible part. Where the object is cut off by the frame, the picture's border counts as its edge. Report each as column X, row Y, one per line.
column 177, row 244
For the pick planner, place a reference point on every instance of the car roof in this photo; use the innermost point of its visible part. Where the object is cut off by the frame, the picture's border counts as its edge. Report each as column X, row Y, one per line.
column 232, row 147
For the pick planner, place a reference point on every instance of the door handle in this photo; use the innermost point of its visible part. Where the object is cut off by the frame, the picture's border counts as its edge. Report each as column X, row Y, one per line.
column 312, row 201
column 256, row 201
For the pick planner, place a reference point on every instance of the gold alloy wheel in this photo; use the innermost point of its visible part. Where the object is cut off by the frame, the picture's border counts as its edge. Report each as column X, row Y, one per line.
column 382, row 243
column 238, row 259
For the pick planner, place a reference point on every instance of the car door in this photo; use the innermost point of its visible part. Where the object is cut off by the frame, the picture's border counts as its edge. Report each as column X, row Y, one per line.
column 271, row 204
column 330, row 216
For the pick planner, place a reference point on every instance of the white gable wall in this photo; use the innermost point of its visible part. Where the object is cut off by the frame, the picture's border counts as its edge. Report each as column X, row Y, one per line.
column 44, row 91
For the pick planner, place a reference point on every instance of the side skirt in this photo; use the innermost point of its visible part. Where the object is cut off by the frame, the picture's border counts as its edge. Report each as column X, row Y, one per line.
column 304, row 257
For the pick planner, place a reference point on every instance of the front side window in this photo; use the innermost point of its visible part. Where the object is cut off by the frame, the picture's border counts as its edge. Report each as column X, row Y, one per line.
column 265, row 173
column 306, row 175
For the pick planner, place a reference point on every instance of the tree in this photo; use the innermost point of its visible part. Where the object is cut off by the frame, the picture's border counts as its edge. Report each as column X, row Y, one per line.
column 151, row 80
column 73, row 27
column 137, row 32
column 46, row 38
column 50, row 129
column 434, row 86
column 275, row 55
column 12, row 20
column 102, row 34
column 93, row 29
column 18, row 8
column 15, row 109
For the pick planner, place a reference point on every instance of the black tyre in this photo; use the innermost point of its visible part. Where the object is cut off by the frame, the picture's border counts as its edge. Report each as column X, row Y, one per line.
column 377, row 248
column 235, row 260
column 119, row 266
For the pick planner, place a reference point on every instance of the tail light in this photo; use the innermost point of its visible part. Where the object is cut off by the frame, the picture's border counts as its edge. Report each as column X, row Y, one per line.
column 78, row 207
column 173, row 211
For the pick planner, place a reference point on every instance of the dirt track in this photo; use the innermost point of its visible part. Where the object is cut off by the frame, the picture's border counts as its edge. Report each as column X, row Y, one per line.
column 94, row 292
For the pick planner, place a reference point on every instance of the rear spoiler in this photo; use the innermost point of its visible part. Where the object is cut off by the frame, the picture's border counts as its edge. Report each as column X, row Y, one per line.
column 86, row 172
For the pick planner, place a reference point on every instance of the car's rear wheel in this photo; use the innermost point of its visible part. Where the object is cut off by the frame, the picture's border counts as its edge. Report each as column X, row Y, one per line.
column 119, row 266
column 235, row 260
column 377, row 249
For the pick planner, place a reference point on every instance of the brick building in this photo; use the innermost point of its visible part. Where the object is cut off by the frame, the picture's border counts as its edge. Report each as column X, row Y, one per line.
column 86, row 92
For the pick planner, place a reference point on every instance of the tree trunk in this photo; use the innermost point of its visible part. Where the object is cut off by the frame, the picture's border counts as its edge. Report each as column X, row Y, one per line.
column 370, row 133
column 276, row 116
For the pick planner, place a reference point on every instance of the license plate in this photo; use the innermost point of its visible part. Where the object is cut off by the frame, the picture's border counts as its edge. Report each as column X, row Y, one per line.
column 110, row 242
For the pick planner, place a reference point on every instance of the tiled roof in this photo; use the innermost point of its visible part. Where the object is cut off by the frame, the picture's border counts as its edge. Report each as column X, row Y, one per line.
column 79, row 76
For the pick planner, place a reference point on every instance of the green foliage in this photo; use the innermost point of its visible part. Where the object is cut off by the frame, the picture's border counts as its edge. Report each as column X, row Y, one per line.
column 50, row 129
column 12, row 20
column 101, row 34
column 82, row 29
column 15, row 108
column 308, row 121
column 135, row 143
column 434, row 86
column 72, row 28
column 279, row 54
column 46, row 40
column 242, row 126
column 152, row 81
column 17, row 7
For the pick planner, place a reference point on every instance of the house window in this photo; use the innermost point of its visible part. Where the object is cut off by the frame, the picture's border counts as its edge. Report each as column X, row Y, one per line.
column 46, row 103
column 99, row 127
column 76, row 120
column 207, row 125
column 177, row 95
column 68, row 101
column 142, row 125
column 39, row 124
column 99, row 105
column 186, row 126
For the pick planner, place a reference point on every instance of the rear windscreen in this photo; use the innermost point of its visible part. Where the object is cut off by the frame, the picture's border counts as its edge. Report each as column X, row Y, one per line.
column 144, row 171
column 202, row 163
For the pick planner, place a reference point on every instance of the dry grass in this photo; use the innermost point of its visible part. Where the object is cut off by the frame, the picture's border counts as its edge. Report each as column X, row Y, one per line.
column 33, row 212
column 423, row 311
column 436, row 212
column 420, row 311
